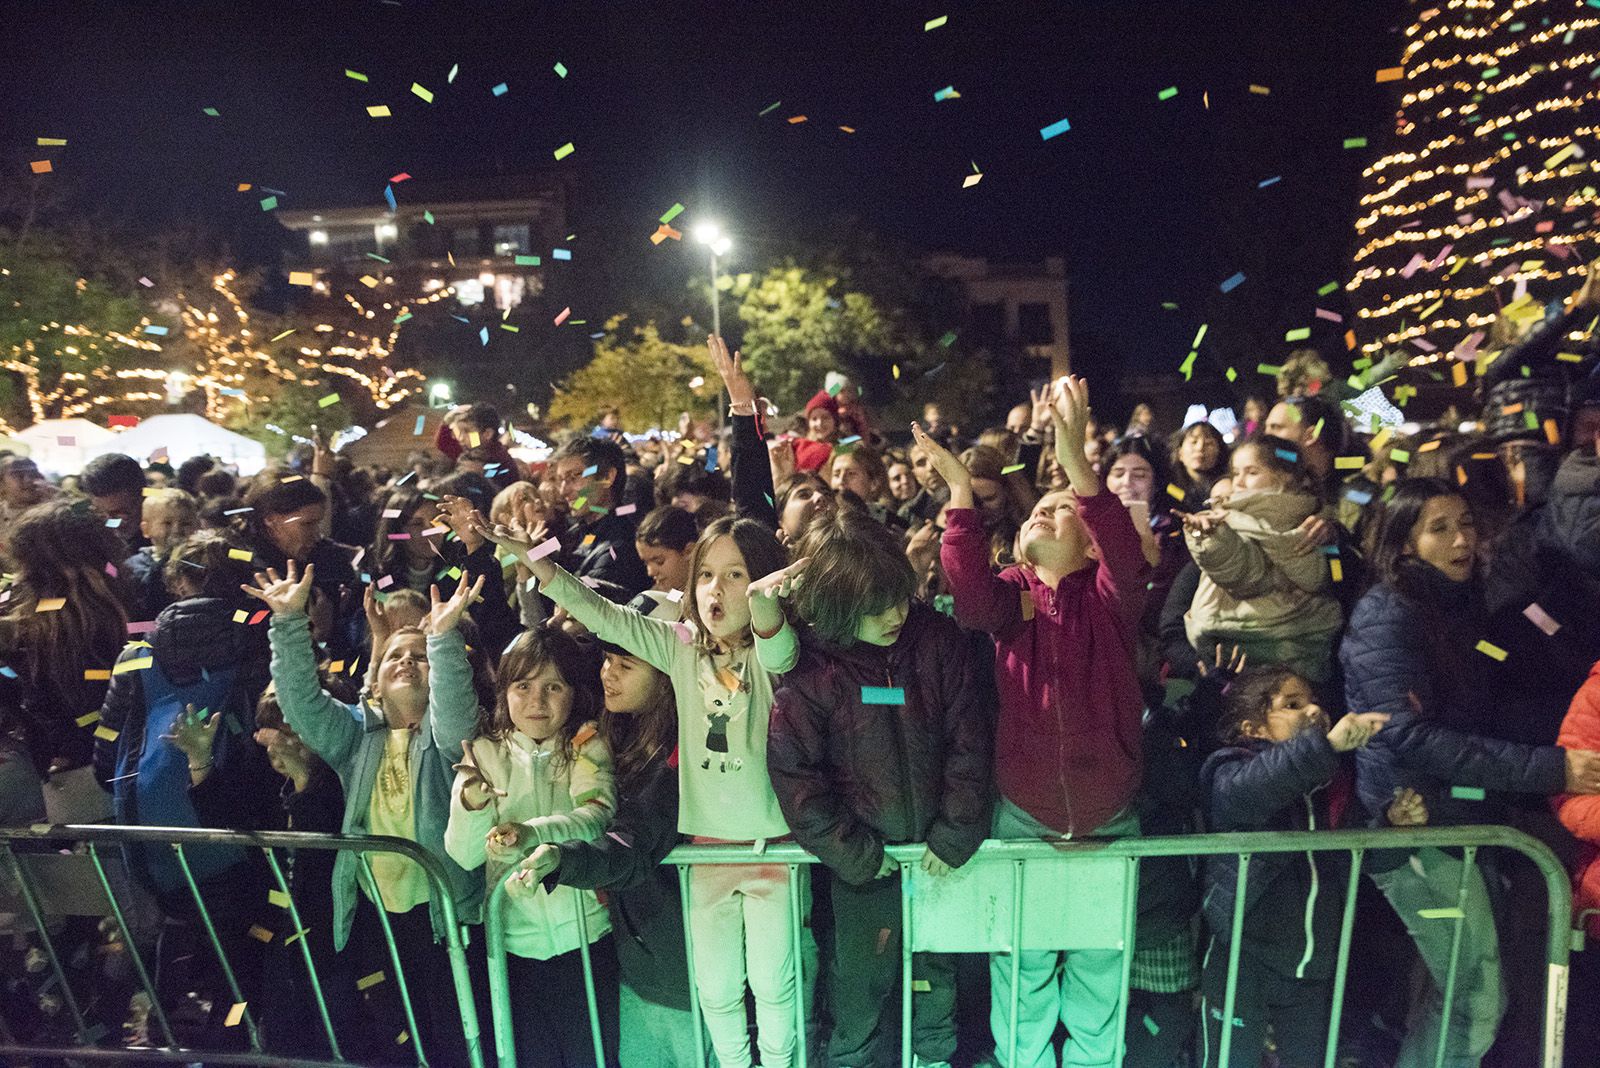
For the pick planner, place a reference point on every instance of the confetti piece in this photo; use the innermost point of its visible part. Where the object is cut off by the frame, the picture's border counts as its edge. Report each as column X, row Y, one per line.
column 367, row 982
column 848, row 129
column 1055, row 129
column 278, row 898
column 1355, row 142
column 1331, row 287
column 796, row 120
column 357, row 75
column 1349, row 463
column 52, row 142
column 158, row 331
column 1151, row 1026
column 1494, row 652
column 1175, row 491
column 563, row 316
column 235, row 1014
column 934, row 24
column 947, row 93
column 1274, row 180
column 241, row 554
column 1014, row 468
column 627, row 509
column 500, row 90
column 268, row 203
column 1232, row 282
column 425, row 94
column 1168, row 93
column 1541, row 619
column 450, row 79
column 1260, row 90
column 883, row 695
column 1400, row 456
column 1335, row 570
column 1467, row 793
column 1390, row 74
column 564, row 151
column 1298, row 335
column 1440, row 914
column 544, row 549
column 91, row 717
column 259, row 933
column 328, row 401
column 210, row 111
column 136, row 664
column 50, row 604
column 971, row 180
column 560, row 69
column 770, row 107
column 106, row 734
column 1269, row 369
column 378, row 111
column 41, row 166
column 561, row 254
column 299, row 278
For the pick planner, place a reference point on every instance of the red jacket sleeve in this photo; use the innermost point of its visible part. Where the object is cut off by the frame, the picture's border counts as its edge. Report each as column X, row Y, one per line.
column 1580, row 813
column 1124, row 572
column 983, row 601
column 446, row 442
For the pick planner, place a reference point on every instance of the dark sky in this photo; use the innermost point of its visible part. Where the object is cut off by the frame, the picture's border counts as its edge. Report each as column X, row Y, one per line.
column 1149, row 201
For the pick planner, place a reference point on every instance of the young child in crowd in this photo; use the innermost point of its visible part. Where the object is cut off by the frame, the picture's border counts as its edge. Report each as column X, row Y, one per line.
column 1068, row 743
column 393, row 754
column 170, row 515
column 722, row 666
column 1281, row 770
column 665, row 538
column 540, row 772
column 881, row 735
column 1259, row 589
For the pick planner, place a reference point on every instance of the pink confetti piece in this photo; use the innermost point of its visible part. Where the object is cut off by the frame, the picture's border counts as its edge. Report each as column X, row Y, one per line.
column 1541, row 619
column 549, row 547
column 1331, row 316
column 563, row 316
column 627, row 509
column 385, row 582
column 685, row 635
column 142, row 627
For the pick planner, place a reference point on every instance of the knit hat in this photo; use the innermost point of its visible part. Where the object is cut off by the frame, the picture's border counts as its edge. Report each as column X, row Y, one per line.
column 823, row 400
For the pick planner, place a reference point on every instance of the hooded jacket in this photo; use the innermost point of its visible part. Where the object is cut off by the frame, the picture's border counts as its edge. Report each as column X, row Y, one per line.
column 1580, row 813
column 1293, row 901
column 853, row 776
column 1069, row 745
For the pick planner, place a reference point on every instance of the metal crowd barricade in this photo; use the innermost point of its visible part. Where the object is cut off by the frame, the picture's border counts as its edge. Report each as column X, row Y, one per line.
column 32, row 862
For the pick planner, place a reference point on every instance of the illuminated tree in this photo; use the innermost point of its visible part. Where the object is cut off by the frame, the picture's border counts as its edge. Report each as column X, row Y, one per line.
column 648, row 379
column 1485, row 180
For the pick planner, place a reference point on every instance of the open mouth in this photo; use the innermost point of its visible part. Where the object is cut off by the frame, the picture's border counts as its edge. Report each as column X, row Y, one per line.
column 715, row 613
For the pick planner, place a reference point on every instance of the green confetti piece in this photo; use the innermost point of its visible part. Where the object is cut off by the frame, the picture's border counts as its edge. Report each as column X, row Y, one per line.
column 211, row 111
column 1151, row 1026
column 1298, row 335
column 427, row 217
column 328, row 401
column 1467, row 793
column 1013, row 469
column 768, row 108
column 527, row 261
column 355, row 74
column 401, row 318
column 268, row 203
column 375, row 256
column 1230, row 374
column 560, row 69
column 1400, row 456
column 1530, row 420
column 1268, row 369
column 671, row 213
column 1331, row 287
column 1491, row 72
column 934, row 24
column 1167, row 94
column 1167, row 305
column 1355, row 142
column 948, row 340
column 564, row 151
column 1199, row 335
column 425, row 94
column 513, row 329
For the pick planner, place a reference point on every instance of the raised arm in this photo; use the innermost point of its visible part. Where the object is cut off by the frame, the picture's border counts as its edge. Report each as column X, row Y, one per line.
column 753, row 495
column 331, row 728
column 452, row 699
column 982, row 600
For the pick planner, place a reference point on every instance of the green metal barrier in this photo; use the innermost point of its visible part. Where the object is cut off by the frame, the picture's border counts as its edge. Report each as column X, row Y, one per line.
column 20, row 847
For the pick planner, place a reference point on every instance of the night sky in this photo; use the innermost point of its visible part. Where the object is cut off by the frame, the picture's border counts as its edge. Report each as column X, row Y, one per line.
column 1148, row 200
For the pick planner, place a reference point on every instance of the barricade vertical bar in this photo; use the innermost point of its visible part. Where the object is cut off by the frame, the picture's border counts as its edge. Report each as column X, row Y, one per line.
column 1341, row 968
column 905, row 966
column 688, row 952
column 30, row 898
column 1016, row 957
column 499, row 983
column 1236, row 938
column 588, row 980
column 133, row 950
column 799, row 966
column 305, row 952
column 370, row 884
column 216, row 946
column 1468, row 866
column 1130, row 913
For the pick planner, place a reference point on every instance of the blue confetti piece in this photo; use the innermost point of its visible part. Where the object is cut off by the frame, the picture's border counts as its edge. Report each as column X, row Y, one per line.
column 8, row 671
column 159, row 331
column 590, row 470
column 1288, row 454
column 231, row 392
column 560, row 254
column 1232, row 283
column 1360, row 497
column 883, row 695
column 421, row 419
column 463, row 318
column 1274, row 180
column 388, row 195
column 1055, row 129
column 483, row 335
column 499, row 90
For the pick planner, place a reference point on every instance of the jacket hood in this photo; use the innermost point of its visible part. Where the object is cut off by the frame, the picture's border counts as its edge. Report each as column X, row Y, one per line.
column 195, row 634
column 1579, row 475
column 873, row 657
column 1276, row 511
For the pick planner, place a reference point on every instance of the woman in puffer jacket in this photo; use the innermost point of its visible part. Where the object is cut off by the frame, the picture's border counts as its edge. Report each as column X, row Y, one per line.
column 1258, row 590
column 1416, row 649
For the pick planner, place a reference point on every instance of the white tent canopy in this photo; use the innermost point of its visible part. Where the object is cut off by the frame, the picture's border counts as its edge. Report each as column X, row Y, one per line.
column 182, row 435
column 63, row 446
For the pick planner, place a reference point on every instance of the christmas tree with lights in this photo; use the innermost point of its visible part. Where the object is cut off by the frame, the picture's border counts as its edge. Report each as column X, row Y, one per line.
column 1487, row 196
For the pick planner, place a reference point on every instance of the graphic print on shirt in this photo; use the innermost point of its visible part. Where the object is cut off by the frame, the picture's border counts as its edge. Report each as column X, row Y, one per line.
column 730, row 701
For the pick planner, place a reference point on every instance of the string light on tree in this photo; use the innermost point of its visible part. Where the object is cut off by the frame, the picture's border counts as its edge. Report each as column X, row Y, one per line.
column 1490, row 184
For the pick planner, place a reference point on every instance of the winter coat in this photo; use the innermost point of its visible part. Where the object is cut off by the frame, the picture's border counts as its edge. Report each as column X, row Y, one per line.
column 1256, row 589
column 148, row 583
column 1068, row 747
column 640, row 892
column 751, row 472
column 1414, row 654
column 1571, row 515
column 1580, row 813
column 351, row 739
column 1293, row 901
column 604, row 551
column 854, row 776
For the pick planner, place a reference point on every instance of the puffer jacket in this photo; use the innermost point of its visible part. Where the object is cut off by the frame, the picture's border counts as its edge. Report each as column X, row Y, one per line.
column 1580, row 813
column 1571, row 516
column 1415, row 656
column 852, row 777
column 1293, row 901
column 603, row 550
column 1257, row 588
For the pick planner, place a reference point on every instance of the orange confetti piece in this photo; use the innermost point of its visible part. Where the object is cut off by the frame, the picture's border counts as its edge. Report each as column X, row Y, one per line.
column 44, row 166
column 796, row 120
column 1391, row 74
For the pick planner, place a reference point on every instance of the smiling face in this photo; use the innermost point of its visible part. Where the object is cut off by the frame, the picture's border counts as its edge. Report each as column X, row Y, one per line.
column 1054, row 537
column 402, row 685
column 668, row 568
column 540, row 702
column 821, row 425
column 902, row 483
column 572, row 483
column 628, row 683
column 721, row 589
column 1131, row 478
column 804, row 502
column 1446, row 537
column 1251, row 473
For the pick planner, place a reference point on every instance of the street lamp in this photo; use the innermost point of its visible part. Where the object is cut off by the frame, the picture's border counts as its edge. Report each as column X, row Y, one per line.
column 710, row 235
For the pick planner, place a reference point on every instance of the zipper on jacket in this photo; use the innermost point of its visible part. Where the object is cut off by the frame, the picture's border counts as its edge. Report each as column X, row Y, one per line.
column 1055, row 704
column 1311, row 898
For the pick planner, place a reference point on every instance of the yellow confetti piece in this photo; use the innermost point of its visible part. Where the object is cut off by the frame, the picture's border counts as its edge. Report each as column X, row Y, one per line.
column 1458, row 374
column 564, row 151
column 336, row 667
column 297, row 935
column 278, row 898
column 105, row 734
column 1260, row 90
column 367, row 982
column 378, row 111
column 96, row 674
column 240, row 616
column 971, row 180
column 240, row 554
column 369, row 281
column 1429, row 446
column 1175, row 491
column 235, row 1014
column 475, row 439
column 260, row 933
column 1349, row 463
column 1335, row 569
column 301, row 278
column 425, row 94
column 88, row 718
column 51, row 142
column 136, row 664
column 402, row 1038
column 1492, row 651
column 50, row 604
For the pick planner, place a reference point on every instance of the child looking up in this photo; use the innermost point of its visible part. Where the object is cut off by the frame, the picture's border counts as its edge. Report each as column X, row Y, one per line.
column 1258, row 590
column 881, row 735
column 722, row 666
column 540, row 772
column 1068, row 744
column 1280, row 771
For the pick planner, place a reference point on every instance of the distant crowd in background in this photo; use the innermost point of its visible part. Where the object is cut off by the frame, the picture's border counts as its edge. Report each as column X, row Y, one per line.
column 827, row 630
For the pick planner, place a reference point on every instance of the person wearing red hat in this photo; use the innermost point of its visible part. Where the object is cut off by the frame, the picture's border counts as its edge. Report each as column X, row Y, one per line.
column 822, row 430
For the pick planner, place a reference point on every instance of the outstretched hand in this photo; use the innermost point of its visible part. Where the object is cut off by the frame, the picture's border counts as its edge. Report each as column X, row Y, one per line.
column 946, row 463
column 778, row 584
column 731, row 368
column 194, row 735
column 446, row 614
column 285, row 596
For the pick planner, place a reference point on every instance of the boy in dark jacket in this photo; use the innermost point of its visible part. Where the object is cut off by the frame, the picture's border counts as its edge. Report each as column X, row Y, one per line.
column 880, row 736
column 1282, row 772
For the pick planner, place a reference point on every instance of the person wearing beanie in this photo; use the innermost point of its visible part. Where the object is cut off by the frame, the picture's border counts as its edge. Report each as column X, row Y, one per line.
column 822, row 430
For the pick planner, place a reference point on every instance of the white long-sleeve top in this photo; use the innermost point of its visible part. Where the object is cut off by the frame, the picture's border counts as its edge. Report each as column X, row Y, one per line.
column 556, row 798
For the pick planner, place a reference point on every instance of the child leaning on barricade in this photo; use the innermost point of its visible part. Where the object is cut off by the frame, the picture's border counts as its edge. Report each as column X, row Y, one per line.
column 392, row 752
column 539, row 772
column 881, row 735
column 1281, row 768
column 1068, row 745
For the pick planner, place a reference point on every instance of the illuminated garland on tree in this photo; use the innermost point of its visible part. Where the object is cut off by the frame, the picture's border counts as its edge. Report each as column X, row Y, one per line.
column 1491, row 176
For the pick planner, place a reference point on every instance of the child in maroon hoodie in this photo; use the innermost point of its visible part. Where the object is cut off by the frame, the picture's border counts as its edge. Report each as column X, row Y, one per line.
column 1067, row 751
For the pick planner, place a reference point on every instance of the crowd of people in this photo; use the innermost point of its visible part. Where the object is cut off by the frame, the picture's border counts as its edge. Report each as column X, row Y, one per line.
column 550, row 675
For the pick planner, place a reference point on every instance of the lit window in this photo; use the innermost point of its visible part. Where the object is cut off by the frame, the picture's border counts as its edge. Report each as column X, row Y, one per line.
column 318, row 237
column 511, row 240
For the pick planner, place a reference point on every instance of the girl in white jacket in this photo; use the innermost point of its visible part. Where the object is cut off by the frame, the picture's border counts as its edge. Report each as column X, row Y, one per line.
column 539, row 772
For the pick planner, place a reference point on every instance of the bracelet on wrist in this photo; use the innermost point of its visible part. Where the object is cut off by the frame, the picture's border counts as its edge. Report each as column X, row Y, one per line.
column 742, row 408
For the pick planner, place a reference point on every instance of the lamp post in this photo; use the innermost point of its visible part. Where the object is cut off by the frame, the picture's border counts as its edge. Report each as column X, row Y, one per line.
column 710, row 234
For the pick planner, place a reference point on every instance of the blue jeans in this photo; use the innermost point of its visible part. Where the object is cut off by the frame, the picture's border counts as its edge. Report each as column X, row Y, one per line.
column 1079, row 988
